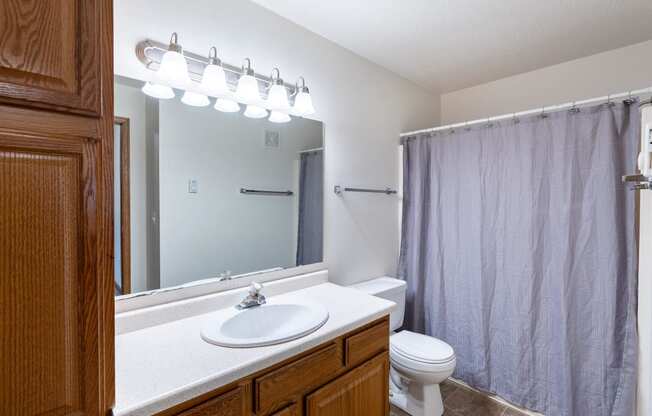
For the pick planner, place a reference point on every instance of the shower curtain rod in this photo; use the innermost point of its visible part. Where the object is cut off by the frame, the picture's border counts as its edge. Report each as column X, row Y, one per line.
column 540, row 110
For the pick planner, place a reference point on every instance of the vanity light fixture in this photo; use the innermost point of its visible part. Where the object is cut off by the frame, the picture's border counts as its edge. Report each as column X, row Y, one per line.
column 226, row 105
column 201, row 77
column 277, row 96
column 174, row 68
column 278, row 117
column 159, row 91
column 247, row 90
column 254, row 111
column 302, row 100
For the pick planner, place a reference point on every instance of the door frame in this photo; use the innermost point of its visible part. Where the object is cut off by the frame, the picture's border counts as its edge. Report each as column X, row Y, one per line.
column 125, row 214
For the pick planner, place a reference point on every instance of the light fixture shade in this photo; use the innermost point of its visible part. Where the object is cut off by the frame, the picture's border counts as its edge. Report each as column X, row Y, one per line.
column 213, row 81
column 226, row 106
column 195, row 99
column 247, row 90
column 278, row 117
column 277, row 98
column 174, row 69
column 303, row 104
column 253, row 111
column 158, row 91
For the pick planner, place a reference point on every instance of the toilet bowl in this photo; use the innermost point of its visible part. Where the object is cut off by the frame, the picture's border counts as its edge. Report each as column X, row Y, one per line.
column 419, row 363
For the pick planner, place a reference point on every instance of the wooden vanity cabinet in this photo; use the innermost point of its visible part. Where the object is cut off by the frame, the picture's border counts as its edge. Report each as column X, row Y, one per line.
column 347, row 376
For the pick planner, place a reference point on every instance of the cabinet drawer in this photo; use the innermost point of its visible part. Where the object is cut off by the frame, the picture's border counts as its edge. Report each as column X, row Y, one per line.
column 279, row 386
column 231, row 403
column 367, row 343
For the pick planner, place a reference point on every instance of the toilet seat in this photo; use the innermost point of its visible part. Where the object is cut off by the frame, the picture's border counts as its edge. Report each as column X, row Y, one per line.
column 421, row 352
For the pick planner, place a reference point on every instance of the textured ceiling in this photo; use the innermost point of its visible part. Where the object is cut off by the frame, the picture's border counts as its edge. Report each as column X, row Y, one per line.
column 446, row 45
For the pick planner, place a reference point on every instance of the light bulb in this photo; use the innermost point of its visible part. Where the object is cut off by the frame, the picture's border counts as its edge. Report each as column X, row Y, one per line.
column 278, row 117
column 247, row 89
column 277, row 98
column 253, row 111
column 174, row 68
column 195, row 99
column 226, row 106
column 213, row 81
column 303, row 105
column 302, row 101
column 158, row 91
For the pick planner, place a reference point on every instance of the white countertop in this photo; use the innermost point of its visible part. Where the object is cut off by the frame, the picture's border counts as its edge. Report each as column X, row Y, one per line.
column 164, row 365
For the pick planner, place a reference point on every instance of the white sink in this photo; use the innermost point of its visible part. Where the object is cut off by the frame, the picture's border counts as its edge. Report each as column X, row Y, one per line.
column 268, row 324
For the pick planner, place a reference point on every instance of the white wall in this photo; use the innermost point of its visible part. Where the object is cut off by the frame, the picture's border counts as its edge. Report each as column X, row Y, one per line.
column 611, row 72
column 130, row 102
column 363, row 107
column 218, row 228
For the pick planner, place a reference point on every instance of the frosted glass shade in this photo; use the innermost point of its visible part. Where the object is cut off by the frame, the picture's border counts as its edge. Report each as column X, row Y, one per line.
column 226, row 106
column 158, row 91
column 277, row 98
column 278, row 117
column 247, row 90
column 195, row 99
column 253, row 111
column 174, row 70
column 303, row 105
column 213, row 81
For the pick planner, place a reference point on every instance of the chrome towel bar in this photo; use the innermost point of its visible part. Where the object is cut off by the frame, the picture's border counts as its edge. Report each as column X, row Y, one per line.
column 339, row 190
column 262, row 192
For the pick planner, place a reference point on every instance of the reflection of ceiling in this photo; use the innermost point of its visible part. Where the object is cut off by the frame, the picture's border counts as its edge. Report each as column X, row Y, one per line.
column 446, row 45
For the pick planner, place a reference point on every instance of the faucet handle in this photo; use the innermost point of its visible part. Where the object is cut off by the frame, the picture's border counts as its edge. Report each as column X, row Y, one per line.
column 255, row 288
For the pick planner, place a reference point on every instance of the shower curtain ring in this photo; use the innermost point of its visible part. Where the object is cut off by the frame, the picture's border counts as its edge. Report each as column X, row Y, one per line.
column 574, row 108
column 543, row 112
column 515, row 118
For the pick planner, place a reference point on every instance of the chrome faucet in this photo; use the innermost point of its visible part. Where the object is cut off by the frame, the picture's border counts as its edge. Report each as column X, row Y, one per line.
column 254, row 298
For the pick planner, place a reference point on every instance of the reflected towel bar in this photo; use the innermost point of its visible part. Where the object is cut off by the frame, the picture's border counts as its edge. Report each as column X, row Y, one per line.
column 339, row 190
column 260, row 192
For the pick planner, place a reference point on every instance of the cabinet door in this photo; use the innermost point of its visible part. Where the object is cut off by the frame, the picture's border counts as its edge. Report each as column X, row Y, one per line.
column 49, row 54
column 363, row 391
column 49, row 358
column 56, row 282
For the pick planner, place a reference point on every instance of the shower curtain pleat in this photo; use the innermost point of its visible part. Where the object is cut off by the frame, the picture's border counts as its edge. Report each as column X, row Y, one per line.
column 518, row 246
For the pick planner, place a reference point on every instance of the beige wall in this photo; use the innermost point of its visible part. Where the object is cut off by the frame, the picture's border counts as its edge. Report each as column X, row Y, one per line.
column 612, row 72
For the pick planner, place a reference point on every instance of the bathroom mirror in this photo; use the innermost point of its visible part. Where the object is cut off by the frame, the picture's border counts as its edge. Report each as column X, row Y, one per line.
column 202, row 195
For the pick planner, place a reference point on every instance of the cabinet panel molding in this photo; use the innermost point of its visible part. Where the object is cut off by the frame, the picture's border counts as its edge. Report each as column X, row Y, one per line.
column 49, row 307
column 50, row 54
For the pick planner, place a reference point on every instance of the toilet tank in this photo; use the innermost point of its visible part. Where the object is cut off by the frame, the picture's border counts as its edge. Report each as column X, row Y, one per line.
column 390, row 289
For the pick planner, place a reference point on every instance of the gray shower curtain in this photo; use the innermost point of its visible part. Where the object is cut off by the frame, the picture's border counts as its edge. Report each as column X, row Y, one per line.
column 311, row 213
column 519, row 249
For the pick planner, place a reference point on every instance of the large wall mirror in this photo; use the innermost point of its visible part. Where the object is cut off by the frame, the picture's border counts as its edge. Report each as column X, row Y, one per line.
column 201, row 194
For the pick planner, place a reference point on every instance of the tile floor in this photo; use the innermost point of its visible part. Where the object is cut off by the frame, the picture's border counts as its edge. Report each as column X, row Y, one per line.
column 459, row 401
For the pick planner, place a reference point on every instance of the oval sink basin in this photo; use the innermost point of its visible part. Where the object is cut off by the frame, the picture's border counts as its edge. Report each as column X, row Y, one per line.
column 268, row 324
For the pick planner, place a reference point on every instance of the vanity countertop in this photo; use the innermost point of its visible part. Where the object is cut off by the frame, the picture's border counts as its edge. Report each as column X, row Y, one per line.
column 164, row 365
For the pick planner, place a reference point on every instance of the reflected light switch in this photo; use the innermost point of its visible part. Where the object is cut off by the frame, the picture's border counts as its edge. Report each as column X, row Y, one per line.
column 193, row 186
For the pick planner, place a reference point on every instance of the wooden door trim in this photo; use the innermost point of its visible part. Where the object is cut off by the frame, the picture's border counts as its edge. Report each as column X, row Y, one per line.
column 125, row 205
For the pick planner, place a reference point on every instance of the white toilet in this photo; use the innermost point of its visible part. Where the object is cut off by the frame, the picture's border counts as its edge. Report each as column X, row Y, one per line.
column 418, row 362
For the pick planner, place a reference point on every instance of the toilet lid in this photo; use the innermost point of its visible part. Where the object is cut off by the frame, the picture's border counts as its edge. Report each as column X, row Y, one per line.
column 421, row 348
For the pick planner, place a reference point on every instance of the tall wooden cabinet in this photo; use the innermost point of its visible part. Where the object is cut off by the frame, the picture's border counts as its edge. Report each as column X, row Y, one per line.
column 56, row 126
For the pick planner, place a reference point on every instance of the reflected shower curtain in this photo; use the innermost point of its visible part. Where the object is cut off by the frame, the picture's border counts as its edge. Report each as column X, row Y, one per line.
column 518, row 246
column 311, row 213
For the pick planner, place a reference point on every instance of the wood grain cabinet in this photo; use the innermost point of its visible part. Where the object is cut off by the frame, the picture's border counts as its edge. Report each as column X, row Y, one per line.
column 56, row 298
column 320, row 382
